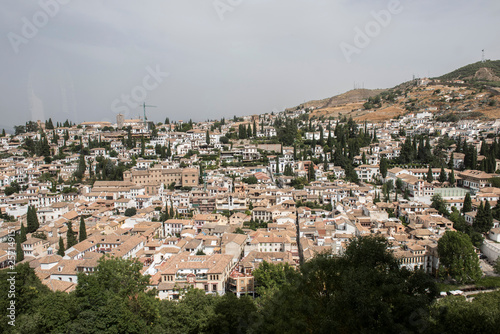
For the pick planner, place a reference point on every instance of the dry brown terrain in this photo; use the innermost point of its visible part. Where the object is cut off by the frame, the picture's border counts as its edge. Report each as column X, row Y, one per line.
column 441, row 98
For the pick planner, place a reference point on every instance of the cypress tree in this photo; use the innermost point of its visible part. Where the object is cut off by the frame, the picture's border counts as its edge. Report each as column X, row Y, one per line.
column 60, row 251
column 467, row 207
column 430, row 178
column 82, row 234
column 442, row 176
column 22, row 235
column 32, row 219
column 70, row 236
column 451, row 177
column 450, row 161
column 19, row 251
column 488, row 216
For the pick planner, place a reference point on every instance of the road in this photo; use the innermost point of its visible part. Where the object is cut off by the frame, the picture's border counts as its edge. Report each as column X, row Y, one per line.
column 486, row 268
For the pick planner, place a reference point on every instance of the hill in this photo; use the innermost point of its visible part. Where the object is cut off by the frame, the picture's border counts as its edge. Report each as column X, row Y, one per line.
column 352, row 96
column 476, row 97
column 489, row 71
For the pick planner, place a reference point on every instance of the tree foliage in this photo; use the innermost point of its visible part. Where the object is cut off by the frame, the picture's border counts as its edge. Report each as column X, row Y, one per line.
column 458, row 257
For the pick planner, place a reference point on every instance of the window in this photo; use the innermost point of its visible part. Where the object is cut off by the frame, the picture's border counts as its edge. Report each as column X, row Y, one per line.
column 214, row 287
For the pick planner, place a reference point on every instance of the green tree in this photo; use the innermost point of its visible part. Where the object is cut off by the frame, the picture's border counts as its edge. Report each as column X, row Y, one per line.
column 458, row 258
column 114, row 299
column 22, row 234
column 80, row 171
column 450, row 161
column 467, row 207
column 311, row 175
column 61, row 249
column 82, row 232
column 207, row 138
column 32, row 220
column 383, row 167
column 363, row 291
column 451, row 177
column 483, row 221
column 456, row 314
column 70, row 236
column 19, row 251
column 232, row 314
column 130, row 212
column 443, row 177
column 439, row 204
column 429, row 177
column 271, row 277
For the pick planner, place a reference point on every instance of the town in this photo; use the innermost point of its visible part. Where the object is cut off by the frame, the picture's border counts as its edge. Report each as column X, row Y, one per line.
column 204, row 204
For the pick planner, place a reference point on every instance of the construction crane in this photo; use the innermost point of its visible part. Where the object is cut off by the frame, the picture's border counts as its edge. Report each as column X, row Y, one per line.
column 144, row 105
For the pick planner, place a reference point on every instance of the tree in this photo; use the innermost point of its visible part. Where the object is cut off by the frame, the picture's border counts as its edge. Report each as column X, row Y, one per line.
column 443, row 176
column 114, row 299
column 232, row 314
column 439, row 204
column 13, row 188
column 130, row 212
column 311, row 175
column 32, row 220
column 22, row 234
column 70, row 236
column 19, row 251
column 383, row 167
column 143, row 146
column 82, row 233
column 61, row 249
column 483, row 221
column 399, row 184
column 460, row 315
column 80, row 171
column 250, row 180
column 497, row 266
column 451, row 177
column 458, row 257
column 429, row 178
column 467, row 207
column 207, row 138
column 450, row 161
column 362, row 291
column 271, row 277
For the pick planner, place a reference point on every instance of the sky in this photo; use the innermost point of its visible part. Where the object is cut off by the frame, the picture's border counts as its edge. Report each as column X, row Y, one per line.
column 88, row 60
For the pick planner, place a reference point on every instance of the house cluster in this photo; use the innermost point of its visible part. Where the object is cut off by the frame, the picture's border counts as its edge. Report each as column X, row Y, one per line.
column 207, row 215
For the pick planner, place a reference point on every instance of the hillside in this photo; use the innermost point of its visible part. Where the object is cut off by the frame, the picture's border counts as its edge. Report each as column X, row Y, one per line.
column 477, row 97
column 489, row 71
column 352, row 96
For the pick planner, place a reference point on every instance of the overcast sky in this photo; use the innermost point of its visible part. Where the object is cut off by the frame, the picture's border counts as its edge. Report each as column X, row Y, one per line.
column 87, row 60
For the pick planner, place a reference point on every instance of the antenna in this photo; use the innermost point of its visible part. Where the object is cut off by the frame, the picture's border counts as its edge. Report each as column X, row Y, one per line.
column 483, row 60
column 144, row 105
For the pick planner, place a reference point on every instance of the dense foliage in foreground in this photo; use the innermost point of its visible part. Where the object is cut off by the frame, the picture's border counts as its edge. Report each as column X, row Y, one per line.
column 363, row 291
